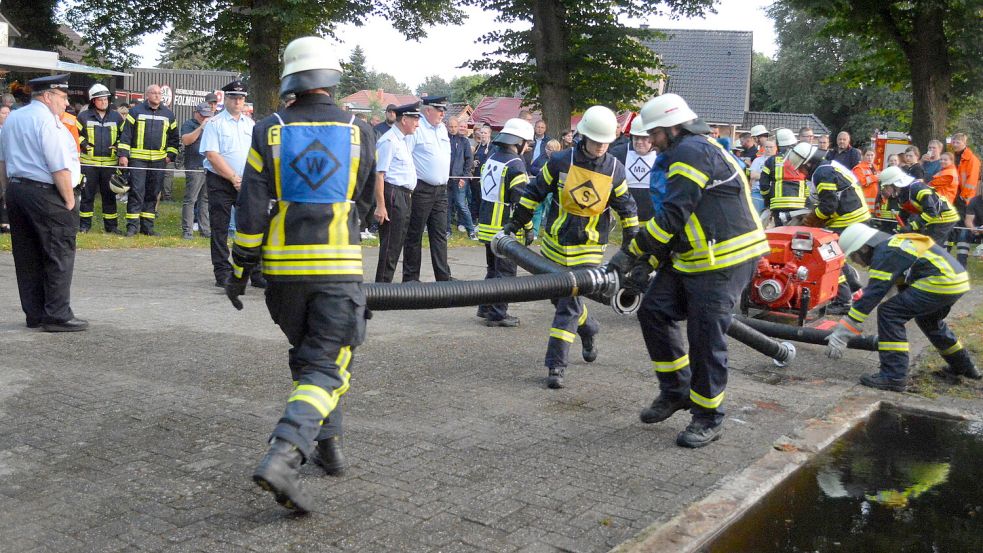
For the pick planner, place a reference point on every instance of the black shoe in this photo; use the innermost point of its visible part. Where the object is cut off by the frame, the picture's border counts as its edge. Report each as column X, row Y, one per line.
column 838, row 308
column 111, row 230
column 206, row 235
column 33, row 324
column 877, row 380
column 328, row 456
column 187, row 236
column 699, row 433
column 150, row 232
column 84, row 230
column 482, row 313
column 662, row 408
column 74, row 325
column 131, row 231
column 590, row 348
column 554, row 380
column 509, row 322
column 278, row 473
column 220, row 283
column 961, row 364
column 258, row 282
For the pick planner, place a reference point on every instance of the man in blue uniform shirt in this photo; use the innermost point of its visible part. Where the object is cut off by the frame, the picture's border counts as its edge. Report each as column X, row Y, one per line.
column 394, row 185
column 39, row 168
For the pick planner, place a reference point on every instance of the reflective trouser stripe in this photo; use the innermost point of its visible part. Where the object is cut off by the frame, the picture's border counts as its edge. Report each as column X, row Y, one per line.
column 561, row 334
column 671, row 366
column 708, row 403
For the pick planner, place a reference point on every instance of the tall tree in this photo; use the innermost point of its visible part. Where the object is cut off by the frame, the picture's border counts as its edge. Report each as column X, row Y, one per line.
column 356, row 76
column 249, row 33
column 35, row 19
column 932, row 46
column 387, row 83
column 434, row 85
column 577, row 53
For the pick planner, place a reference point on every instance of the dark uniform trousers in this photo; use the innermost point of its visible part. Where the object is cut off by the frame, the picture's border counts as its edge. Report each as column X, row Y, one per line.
column 323, row 322
column 706, row 302
column 939, row 232
column 43, row 243
column 392, row 233
column 571, row 318
column 430, row 211
column 929, row 311
column 97, row 180
column 222, row 195
column 497, row 267
column 144, row 189
column 643, row 200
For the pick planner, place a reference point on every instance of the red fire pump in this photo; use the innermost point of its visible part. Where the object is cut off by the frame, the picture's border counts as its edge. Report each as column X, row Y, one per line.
column 800, row 274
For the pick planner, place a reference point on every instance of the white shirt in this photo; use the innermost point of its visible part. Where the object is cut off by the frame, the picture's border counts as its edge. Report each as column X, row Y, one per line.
column 638, row 169
column 228, row 137
column 756, row 166
column 431, row 149
column 34, row 144
column 392, row 157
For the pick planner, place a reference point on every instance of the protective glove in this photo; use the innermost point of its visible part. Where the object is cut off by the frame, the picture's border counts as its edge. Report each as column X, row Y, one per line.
column 621, row 263
column 838, row 339
column 236, row 287
column 529, row 237
column 638, row 276
column 903, row 229
column 510, row 228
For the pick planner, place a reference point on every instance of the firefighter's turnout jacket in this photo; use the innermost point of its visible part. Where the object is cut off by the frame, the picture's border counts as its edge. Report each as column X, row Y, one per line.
column 782, row 186
column 99, row 136
column 503, row 177
column 924, row 202
column 149, row 134
column 315, row 161
column 578, row 219
column 912, row 260
column 700, row 236
column 841, row 201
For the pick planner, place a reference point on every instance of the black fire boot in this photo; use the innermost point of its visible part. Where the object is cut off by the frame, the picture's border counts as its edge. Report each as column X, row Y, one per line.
column 328, row 456
column 961, row 364
column 131, row 230
column 881, row 382
column 278, row 473
column 663, row 407
column 699, row 433
column 590, row 348
column 554, row 379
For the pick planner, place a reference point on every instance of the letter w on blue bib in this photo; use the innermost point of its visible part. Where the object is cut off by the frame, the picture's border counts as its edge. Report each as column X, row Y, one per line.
column 315, row 163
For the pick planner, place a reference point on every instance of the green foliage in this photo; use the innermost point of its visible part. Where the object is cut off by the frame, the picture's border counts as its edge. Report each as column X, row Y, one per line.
column 35, row 19
column 356, row 76
column 467, row 88
column 387, row 83
column 434, row 85
column 184, row 49
column 807, row 76
column 602, row 60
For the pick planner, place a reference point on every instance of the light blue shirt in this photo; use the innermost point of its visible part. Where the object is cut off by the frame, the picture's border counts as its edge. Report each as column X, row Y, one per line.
column 431, row 149
column 230, row 138
column 392, row 157
column 34, row 144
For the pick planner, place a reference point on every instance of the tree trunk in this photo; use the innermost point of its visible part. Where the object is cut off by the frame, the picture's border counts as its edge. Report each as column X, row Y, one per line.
column 265, row 39
column 550, row 38
column 931, row 76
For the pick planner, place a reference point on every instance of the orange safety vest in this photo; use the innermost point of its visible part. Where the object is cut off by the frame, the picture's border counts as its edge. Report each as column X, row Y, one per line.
column 867, row 178
column 946, row 183
column 969, row 174
column 71, row 123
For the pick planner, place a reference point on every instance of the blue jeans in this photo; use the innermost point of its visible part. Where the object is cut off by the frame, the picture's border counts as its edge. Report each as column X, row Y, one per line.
column 457, row 204
column 757, row 200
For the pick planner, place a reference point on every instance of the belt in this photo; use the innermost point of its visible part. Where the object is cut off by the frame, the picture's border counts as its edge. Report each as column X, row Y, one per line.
column 400, row 188
column 419, row 182
column 22, row 180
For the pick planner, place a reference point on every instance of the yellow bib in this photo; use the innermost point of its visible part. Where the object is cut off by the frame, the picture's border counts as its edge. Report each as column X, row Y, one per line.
column 585, row 193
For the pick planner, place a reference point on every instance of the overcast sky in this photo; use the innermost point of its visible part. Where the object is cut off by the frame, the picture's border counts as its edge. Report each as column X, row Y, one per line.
column 447, row 47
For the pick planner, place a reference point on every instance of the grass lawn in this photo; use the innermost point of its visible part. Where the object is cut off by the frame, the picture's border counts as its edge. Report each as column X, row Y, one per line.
column 168, row 224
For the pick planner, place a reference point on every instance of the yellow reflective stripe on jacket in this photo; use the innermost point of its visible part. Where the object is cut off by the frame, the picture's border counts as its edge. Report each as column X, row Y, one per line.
column 892, row 346
column 724, row 254
column 572, row 260
column 629, row 222
column 958, row 284
column 312, row 251
column 692, row 173
column 671, row 366
column 858, row 215
column 621, row 189
column 312, row 267
column 879, row 275
column 653, row 228
column 248, row 240
column 255, row 160
column 706, row 402
column 528, row 203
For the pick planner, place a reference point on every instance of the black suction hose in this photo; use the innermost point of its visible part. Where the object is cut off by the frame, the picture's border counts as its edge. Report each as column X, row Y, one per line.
column 804, row 334
column 782, row 353
column 461, row 293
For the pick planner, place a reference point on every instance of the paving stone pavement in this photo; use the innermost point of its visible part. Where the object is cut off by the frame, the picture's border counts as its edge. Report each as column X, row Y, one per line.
column 141, row 433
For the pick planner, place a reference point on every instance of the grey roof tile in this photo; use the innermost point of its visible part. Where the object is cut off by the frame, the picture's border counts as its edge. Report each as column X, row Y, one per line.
column 774, row 120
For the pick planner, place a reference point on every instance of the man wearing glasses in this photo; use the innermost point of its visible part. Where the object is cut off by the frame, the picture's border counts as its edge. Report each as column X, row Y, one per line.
column 39, row 167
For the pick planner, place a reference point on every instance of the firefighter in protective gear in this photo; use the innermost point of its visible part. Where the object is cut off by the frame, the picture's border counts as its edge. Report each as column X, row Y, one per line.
column 148, row 140
column 929, row 281
column 639, row 159
column 314, row 161
column 98, row 128
column 930, row 214
column 503, row 177
column 586, row 182
column 841, row 203
column 783, row 187
column 705, row 241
